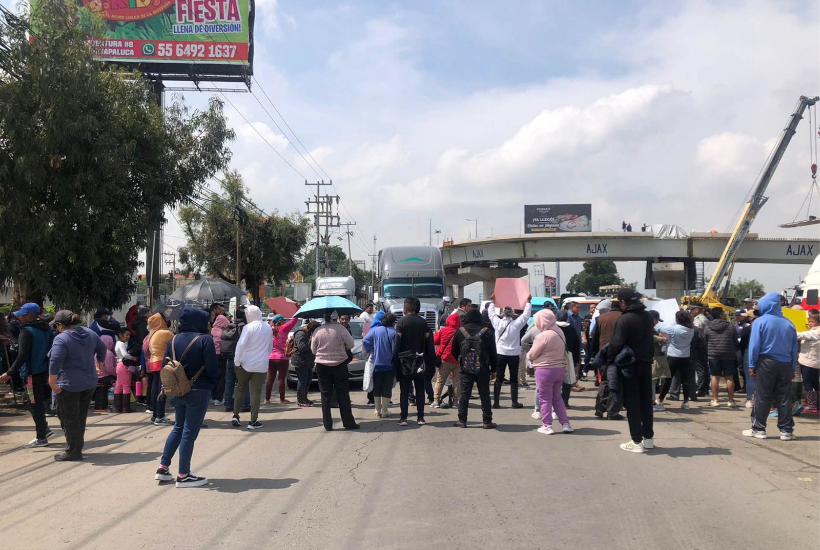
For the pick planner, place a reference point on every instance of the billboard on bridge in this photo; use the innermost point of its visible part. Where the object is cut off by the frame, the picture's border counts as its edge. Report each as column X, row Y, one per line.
column 561, row 218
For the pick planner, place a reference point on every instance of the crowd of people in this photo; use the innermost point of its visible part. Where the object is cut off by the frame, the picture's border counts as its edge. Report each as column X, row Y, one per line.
column 637, row 360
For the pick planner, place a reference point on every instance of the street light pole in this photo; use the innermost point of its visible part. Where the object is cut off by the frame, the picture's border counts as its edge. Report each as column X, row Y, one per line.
column 476, row 226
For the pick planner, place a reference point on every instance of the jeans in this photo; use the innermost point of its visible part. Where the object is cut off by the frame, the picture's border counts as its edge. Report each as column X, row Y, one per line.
column 811, row 378
column 277, row 367
column 638, row 401
column 406, row 385
column 467, row 382
column 681, row 367
column 190, row 412
column 230, row 385
column 42, row 394
column 335, row 377
column 302, row 384
column 72, row 408
column 156, row 404
column 243, row 380
column 773, row 384
column 383, row 384
column 550, row 382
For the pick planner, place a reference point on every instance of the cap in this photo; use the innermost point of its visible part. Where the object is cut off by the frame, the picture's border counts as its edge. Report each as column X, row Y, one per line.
column 277, row 318
column 100, row 312
column 627, row 296
column 28, row 309
column 63, row 317
column 655, row 315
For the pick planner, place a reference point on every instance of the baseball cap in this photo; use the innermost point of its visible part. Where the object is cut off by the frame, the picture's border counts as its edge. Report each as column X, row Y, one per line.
column 655, row 315
column 28, row 309
column 63, row 317
column 277, row 318
column 627, row 296
column 100, row 312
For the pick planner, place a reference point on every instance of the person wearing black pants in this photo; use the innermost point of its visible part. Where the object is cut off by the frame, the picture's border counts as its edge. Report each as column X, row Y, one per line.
column 681, row 367
column 72, row 409
column 638, row 402
column 407, row 386
column 507, row 329
column 473, row 326
column 156, row 404
column 335, row 377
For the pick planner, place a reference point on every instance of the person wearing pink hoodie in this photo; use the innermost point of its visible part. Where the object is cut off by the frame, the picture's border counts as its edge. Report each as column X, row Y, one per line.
column 217, row 327
column 278, row 362
column 548, row 359
column 106, row 376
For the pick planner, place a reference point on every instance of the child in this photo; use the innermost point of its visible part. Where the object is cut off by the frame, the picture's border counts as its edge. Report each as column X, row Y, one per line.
column 122, row 389
column 809, row 360
column 106, row 376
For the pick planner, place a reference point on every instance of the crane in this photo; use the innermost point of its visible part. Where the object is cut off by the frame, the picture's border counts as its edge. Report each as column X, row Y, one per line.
column 727, row 260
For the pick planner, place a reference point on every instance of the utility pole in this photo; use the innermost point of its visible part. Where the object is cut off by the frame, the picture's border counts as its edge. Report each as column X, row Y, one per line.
column 321, row 207
column 373, row 258
column 173, row 263
column 239, row 217
column 349, row 234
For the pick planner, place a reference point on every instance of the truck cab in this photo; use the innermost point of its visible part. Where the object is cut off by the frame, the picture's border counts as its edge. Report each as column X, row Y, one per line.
column 336, row 286
column 413, row 272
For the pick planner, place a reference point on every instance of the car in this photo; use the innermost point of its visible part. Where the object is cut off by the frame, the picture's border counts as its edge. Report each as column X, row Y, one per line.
column 355, row 367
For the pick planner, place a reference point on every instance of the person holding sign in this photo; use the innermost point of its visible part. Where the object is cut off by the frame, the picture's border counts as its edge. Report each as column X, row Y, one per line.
column 508, row 344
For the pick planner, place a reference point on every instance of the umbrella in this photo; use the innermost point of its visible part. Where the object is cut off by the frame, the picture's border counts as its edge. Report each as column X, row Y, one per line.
column 207, row 290
column 283, row 306
column 317, row 307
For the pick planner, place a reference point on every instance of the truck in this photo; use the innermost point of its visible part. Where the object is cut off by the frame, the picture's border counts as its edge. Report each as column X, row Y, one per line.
column 336, row 286
column 413, row 272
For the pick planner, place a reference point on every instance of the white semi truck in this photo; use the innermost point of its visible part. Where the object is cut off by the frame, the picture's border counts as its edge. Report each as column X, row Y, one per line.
column 413, row 272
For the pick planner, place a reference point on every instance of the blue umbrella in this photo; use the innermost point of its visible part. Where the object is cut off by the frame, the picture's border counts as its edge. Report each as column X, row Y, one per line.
column 318, row 307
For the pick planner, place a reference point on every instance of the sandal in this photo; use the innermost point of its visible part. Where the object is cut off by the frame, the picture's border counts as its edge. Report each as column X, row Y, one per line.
column 284, row 402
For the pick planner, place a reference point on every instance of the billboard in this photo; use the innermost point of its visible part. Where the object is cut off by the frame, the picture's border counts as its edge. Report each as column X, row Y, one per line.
column 557, row 218
column 184, row 39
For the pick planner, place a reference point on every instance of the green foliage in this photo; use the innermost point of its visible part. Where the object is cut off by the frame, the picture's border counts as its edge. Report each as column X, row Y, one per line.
column 596, row 274
column 270, row 246
column 743, row 288
column 88, row 163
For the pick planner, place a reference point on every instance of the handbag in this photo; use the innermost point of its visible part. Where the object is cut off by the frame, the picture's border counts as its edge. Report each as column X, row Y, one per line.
column 411, row 363
column 367, row 380
column 571, row 378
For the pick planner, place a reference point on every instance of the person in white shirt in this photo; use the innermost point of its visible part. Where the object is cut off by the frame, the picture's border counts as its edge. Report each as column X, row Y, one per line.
column 367, row 315
column 508, row 343
column 251, row 363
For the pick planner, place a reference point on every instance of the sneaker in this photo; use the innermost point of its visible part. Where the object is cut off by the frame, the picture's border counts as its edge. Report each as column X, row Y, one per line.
column 304, row 405
column 536, row 414
column 648, row 443
column 633, row 447
column 421, row 422
column 191, row 480
column 371, row 403
column 616, row 416
column 798, row 408
column 759, row 434
column 435, row 405
column 773, row 414
column 402, row 422
column 460, row 424
column 567, row 428
column 489, row 425
column 49, row 433
column 685, row 405
column 446, row 406
column 546, row 430
column 658, row 408
column 353, row 427
column 787, row 436
column 732, row 405
column 164, row 421
column 163, row 474
column 36, row 443
column 255, row 425
column 235, row 421
column 714, row 403
column 748, row 404
column 217, row 402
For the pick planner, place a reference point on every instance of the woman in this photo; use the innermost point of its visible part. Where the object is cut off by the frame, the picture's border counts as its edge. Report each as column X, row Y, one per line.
column 550, row 364
column 379, row 343
column 106, row 377
column 278, row 361
column 443, row 340
column 330, row 344
column 678, row 352
column 72, row 373
column 303, row 362
column 158, row 338
column 219, row 324
column 809, row 360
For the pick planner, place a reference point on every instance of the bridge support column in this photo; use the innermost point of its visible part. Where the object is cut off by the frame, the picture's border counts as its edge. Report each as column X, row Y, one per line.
column 670, row 279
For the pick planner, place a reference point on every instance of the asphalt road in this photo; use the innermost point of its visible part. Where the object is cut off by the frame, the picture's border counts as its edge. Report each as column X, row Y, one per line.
column 292, row 485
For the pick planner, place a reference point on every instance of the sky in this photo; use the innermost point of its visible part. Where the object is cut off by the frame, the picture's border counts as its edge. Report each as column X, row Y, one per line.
column 653, row 112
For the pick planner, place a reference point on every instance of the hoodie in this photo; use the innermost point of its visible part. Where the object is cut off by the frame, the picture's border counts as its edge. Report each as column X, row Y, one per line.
column 772, row 334
column 721, row 340
column 548, row 348
column 255, row 343
column 473, row 323
column 508, row 330
column 33, row 343
column 157, row 341
column 110, row 363
column 379, row 342
column 218, row 326
column 72, row 359
column 193, row 322
column 277, row 352
column 443, row 339
column 636, row 329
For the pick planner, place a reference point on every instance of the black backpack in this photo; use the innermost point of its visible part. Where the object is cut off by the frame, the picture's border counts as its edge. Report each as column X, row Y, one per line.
column 228, row 340
column 471, row 351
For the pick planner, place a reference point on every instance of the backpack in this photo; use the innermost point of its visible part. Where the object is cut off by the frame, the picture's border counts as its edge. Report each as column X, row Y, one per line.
column 228, row 340
column 290, row 346
column 471, row 351
column 175, row 382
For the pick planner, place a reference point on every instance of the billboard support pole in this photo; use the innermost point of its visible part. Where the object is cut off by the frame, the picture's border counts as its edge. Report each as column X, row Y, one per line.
column 152, row 252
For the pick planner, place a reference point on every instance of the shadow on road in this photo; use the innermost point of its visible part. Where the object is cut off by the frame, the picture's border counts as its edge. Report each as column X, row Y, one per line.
column 104, row 458
column 689, row 452
column 102, row 443
column 249, row 484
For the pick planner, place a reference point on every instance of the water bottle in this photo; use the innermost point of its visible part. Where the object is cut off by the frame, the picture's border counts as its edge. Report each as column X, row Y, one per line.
column 111, row 399
column 139, row 388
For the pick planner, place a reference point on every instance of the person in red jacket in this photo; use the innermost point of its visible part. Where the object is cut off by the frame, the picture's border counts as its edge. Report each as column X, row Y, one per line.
column 443, row 340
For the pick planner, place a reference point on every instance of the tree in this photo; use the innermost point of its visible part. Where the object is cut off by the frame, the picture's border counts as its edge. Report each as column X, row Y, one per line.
column 595, row 274
column 88, row 162
column 743, row 288
column 270, row 246
column 339, row 266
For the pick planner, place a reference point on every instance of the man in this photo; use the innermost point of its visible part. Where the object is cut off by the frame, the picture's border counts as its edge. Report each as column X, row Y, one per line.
column 772, row 361
column 605, row 401
column 464, row 305
column 721, row 346
column 227, row 348
column 743, row 343
column 31, row 363
column 251, row 364
column 411, row 349
column 587, row 326
column 508, row 347
column 699, row 355
column 573, row 310
column 104, row 324
column 485, row 354
column 635, row 329
column 367, row 315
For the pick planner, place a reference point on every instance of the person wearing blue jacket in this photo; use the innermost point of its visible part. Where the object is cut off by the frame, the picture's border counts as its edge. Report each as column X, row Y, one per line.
column 772, row 359
column 379, row 343
column 190, row 408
